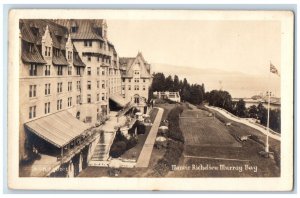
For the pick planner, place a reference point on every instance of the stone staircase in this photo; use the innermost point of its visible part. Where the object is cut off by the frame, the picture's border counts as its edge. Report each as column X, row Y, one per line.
column 101, row 152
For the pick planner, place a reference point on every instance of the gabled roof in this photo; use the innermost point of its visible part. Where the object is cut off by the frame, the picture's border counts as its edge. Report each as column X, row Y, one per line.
column 126, row 63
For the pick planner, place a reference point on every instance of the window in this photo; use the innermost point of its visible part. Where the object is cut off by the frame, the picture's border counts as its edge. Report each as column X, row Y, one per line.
column 98, row 71
column 123, row 87
column 136, row 100
column 70, row 55
column 123, row 80
column 59, row 87
column 129, row 80
column 69, row 101
column 88, row 43
column 129, row 87
column 32, row 112
column 69, row 70
column 144, row 87
column 144, row 80
column 47, row 89
column 89, row 99
column 69, row 86
column 136, row 72
column 89, row 71
column 103, row 97
column 98, row 59
column 47, row 51
column 103, row 73
column 89, row 85
column 31, row 47
column 74, row 29
column 59, row 70
column 32, row 91
column 103, row 84
column 32, row 70
column 88, row 119
column 59, row 104
column 47, row 70
column 89, row 58
column 47, row 107
column 98, row 84
column 78, row 99
column 78, row 85
column 56, row 51
column 136, row 87
column 98, row 97
column 136, row 80
column 78, row 71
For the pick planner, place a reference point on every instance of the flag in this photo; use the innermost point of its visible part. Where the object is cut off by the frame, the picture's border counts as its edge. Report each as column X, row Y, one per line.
column 273, row 69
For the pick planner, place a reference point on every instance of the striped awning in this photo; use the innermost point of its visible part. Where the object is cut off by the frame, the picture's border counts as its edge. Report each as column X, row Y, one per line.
column 58, row 129
column 118, row 98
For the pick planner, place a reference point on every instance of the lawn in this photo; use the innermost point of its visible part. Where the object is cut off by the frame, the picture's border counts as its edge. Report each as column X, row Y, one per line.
column 201, row 130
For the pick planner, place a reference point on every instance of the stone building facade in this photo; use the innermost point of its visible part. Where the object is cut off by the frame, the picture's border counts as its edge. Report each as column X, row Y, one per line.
column 69, row 68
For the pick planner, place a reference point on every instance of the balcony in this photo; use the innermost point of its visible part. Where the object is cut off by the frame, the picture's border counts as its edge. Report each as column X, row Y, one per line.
column 69, row 152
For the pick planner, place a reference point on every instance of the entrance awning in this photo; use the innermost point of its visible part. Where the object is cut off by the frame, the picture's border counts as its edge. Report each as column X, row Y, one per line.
column 58, row 129
column 117, row 98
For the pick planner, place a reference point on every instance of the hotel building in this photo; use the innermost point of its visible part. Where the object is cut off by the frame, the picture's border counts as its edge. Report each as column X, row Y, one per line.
column 71, row 81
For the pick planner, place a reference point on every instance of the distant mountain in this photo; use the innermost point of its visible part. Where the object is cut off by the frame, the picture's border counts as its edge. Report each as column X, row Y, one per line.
column 237, row 83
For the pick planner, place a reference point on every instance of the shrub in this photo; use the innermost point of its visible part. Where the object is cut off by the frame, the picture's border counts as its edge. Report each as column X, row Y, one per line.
column 117, row 149
column 131, row 143
column 141, row 128
column 175, row 132
column 171, row 157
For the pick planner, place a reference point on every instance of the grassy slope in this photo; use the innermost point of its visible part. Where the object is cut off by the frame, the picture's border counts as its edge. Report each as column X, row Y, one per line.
column 248, row 151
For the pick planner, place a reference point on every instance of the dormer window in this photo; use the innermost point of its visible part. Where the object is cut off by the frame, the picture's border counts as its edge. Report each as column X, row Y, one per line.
column 70, row 55
column 34, row 29
column 58, row 37
column 88, row 43
column 104, row 33
column 74, row 29
column 56, row 52
column 30, row 47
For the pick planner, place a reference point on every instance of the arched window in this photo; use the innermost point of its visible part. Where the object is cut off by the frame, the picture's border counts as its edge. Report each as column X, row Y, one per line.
column 78, row 115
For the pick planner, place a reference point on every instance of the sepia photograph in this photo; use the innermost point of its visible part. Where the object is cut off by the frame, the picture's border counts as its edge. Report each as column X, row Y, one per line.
column 151, row 95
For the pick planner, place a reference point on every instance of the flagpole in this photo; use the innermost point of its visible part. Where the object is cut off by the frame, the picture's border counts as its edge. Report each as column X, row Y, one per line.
column 268, row 121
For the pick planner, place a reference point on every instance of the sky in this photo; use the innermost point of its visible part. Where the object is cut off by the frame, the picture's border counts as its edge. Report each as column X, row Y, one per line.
column 237, row 46
column 236, row 53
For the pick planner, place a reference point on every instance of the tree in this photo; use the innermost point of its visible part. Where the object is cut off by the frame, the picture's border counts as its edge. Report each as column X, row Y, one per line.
column 240, row 109
column 253, row 111
column 158, row 82
column 176, row 86
column 169, row 83
column 262, row 114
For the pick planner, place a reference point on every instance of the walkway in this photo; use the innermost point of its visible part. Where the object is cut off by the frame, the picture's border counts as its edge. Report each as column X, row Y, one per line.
column 146, row 152
column 246, row 122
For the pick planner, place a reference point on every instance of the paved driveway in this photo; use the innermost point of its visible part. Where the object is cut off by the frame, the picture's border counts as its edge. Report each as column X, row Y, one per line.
column 146, row 152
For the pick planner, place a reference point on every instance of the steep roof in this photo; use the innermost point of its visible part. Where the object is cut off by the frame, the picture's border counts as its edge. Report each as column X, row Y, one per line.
column 126, row 63
column 32, row 31
column 59, row 60
column 76, row 59
column 87, row 28
column 32, row 57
